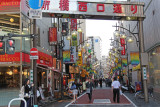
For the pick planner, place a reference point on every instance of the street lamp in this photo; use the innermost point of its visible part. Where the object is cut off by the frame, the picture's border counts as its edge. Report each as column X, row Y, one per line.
column 123, row 35
column 130, row 39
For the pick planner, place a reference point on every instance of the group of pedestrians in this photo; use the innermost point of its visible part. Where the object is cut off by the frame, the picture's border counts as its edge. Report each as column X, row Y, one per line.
column 115, row 88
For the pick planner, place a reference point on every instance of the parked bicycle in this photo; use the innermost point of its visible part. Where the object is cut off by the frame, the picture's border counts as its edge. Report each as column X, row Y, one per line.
column 140, row 94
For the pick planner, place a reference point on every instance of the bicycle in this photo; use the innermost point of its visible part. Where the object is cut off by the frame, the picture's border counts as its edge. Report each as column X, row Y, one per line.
column 140, row 94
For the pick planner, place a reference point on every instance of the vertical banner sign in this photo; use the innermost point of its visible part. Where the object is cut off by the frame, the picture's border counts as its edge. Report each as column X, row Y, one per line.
column 73, row 54
column 71, row 69
column 124, row 62
column 134, row 58
column 122, row 45
column 119, row 66
column 66, row 56
column 54, row 63
column 80, row 37
column 66, row 44
column 52, row 35
column 144, row 73
column 74, row 40
column 73, row 24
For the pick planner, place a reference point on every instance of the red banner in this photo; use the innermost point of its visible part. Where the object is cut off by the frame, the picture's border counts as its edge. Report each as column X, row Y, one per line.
column 123, row 52
column 14, row 58
column 9, row 5
column 52, row 35
column 54, row 62
column 73, row 24
column 44, row 59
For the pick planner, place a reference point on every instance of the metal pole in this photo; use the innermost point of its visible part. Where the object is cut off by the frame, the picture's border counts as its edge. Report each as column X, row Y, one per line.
column 61, row 68
column 35, row 64
column 141, row 45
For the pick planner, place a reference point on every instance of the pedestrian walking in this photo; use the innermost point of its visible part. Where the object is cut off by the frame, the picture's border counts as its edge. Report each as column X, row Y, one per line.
column 116, row 88
column 74, row 91
column 89, row 86
column 100, row 82
column 27, row 89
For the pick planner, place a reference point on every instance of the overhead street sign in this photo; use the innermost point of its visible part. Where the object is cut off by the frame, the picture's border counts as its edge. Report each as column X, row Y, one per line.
column 119, row 10
column 35, row 4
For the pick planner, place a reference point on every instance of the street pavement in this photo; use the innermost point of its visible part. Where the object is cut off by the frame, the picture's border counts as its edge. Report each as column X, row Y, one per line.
column 105, row 94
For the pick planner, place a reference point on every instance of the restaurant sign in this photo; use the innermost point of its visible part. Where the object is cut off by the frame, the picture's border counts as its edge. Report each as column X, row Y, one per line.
column 119, row 9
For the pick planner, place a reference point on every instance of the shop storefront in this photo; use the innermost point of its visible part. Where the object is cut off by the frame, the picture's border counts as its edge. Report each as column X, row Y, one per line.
column 12, row 72
column 13, row 68
column 44, row 73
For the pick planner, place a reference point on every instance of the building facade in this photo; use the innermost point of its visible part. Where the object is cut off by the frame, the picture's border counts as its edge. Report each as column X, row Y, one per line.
column 151, row 42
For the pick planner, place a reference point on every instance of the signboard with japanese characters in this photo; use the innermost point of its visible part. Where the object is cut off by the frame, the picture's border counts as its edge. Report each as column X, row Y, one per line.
column 123, row 52
column 52, row 35
column 73, row 24
column 73, row 54
column 118, row 9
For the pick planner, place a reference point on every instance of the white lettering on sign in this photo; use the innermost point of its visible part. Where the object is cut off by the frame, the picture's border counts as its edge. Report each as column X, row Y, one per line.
column 34, row 51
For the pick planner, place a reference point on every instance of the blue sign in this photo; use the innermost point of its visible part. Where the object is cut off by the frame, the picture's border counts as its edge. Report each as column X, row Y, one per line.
column 35, row 4
column 96, row 40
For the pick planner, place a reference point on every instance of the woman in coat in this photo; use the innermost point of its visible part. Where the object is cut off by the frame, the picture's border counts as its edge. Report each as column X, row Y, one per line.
column 27, row 89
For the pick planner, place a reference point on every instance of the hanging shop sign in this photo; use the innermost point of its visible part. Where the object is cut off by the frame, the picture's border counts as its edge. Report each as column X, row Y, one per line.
column 52, row 35
column 74, row 40
column 123, row 52
column 124, row 62
column 119, row 65
column 66, row 56
column 66, row 44
column 71, row 69
column 10, row 6
column 113, row 9
column 73, row 54
column 14, row 58
column 44, row 59
column 134, row 58
column 54, row 63
column 73, row 24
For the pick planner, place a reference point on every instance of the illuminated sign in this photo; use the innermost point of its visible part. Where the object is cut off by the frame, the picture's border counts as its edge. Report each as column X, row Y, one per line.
column 9, row 5
column 14, row 58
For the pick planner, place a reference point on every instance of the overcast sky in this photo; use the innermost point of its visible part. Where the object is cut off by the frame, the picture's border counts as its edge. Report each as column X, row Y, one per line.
column 103, row 29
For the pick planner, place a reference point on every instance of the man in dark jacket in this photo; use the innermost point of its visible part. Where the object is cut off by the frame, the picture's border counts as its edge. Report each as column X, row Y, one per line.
column 89, row 86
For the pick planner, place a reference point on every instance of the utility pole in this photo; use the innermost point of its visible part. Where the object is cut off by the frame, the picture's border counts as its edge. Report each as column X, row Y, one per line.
column 141, row 45
column 35, row 64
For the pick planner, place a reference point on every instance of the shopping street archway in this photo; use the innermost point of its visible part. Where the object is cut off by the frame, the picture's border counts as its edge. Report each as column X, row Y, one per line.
column 93, row 10
column 128, row 11
column 131, row 11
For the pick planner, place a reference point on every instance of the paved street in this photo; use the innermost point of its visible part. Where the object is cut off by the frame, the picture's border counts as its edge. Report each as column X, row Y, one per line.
column 105, row 93
column 101, row 98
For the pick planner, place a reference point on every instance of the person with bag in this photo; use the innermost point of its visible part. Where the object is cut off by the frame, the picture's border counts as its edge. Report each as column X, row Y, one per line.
column 75, row 92
column 89, row 86
column 116, row 89
column 26, row 88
